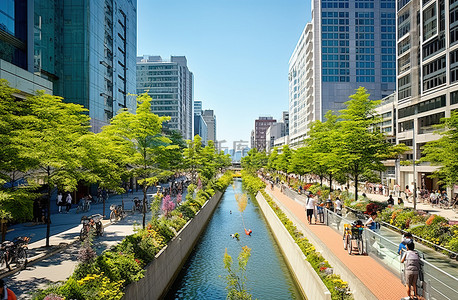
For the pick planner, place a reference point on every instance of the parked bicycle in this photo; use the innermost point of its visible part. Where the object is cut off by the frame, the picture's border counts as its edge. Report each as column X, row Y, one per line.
column 117, row 213
column 91, row 224
column 14, row 252
column 84, row 205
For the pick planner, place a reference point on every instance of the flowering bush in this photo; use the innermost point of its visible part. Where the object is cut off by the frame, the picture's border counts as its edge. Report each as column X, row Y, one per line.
column 167, row 205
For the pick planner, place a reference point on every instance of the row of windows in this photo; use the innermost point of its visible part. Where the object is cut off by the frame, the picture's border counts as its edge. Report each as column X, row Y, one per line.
column 335, row 50
column 431, row 104
column 331, row 64
column 365, row 43
column 434, row 66
column 334, row 5
column 335, row 28
column 404, row 46
column 335, row 43
column 429, row 22
column 404, row 64
column 453, row 36
column 389, row 79
column 388, row 29
column 404, row 87
column 365, row 78
column 402, row 3
column 335, row 57
column 336, row 72
column 365, row 72
column 454, row 66
column 335, row 36
column 365, row 50
column 388, row 50
column 405, row 126
column 364, row 5
column 361, row 57
column 166, row 67
column 430, row 120
column 387, row 5
column 388, row 57
column 388, row 72
column 388, row 43
column 364, row 22
column 336, row 79
column 454, row 98
column 388, row 22
column 434, row 46
column 432, row 82
column 366, row 65
column 335, row 21
column 388, row 36
column 364, row 29
column 334, row 14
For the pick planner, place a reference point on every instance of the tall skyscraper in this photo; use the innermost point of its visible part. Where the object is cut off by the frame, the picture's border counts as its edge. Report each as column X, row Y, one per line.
column 427, row 90
column 170, row 85
column 87, row 49
column 353, row 45
column 210, row 119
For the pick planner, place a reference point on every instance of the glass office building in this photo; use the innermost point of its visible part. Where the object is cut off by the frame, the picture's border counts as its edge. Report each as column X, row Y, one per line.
column 88, row 49
column 170, row 85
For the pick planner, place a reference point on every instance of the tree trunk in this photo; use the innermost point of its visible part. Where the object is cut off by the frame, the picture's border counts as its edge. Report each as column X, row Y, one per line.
column 145, row 187
column 321, row 180
column 356, row 187
column 330, row 182
column 48, row 204
column 103, row 210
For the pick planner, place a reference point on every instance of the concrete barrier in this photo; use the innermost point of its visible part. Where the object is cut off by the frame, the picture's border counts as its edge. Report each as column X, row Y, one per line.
column 163, row 270
column 308, row 280
column 358, row 289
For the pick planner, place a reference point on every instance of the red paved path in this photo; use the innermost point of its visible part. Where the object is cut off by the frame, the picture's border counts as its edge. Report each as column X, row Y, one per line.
column 381, row 282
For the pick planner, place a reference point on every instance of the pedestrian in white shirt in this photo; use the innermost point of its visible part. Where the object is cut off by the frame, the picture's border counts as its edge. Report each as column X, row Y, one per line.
column 310, row 207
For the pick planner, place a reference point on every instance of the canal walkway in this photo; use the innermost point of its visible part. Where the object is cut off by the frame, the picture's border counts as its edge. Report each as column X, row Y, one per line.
column 382, row 283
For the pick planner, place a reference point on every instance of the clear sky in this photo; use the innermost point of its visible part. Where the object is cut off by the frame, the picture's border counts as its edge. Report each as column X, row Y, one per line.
column 238, row 51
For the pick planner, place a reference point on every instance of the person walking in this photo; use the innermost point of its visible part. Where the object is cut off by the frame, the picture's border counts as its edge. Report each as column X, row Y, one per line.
column 60, row 202
column 411, row 262
column 68, row 202
column 6, row 293
column 310, row 207
column 338, row 206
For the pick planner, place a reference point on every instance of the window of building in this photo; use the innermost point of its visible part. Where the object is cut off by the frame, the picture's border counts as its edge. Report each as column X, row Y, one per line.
column 402, row 3
column 404, row 85
column 425, row 123
column 431, row 104
column 435, row 45
column 454, row 98
column 429, row 22
column 403, row 24
column 405, row 126
column 434, row 73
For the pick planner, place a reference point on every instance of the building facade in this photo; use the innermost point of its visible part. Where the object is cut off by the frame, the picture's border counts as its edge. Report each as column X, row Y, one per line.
column 348, row 44
column 88, row 50
column 427, row 58
column 260, row 128
column 200, row 126
column 17, row 48
column 275, row 131
column 210, row 118
column 170, row 85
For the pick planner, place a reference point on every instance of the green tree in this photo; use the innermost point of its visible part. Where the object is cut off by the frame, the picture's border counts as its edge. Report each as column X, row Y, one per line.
column 272, row 160
column 50, row 136
column 362, row 147
column 142, row 134
column 236, row 278
column 284, row 159
column 324, row 148
column 254, row 160
column 444, row 151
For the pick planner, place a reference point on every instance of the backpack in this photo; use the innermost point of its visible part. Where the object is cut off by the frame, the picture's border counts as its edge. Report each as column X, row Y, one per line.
column 412, row 262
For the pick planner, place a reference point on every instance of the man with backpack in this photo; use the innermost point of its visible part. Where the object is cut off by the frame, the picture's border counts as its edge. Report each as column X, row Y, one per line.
column 411, row 262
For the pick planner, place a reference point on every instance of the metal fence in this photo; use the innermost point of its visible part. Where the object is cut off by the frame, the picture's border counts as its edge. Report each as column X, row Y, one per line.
column 436, row 283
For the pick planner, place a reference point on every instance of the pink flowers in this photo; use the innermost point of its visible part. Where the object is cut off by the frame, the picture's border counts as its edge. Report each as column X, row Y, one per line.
column 167, row 205
column 179, row 197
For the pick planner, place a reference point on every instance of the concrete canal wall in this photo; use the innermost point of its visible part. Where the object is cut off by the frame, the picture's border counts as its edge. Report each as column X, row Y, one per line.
column 308, row 280
column 162, row 271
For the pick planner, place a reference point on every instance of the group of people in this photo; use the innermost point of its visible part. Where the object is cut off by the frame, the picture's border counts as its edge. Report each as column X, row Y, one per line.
column 313, row 207
column 67, row 202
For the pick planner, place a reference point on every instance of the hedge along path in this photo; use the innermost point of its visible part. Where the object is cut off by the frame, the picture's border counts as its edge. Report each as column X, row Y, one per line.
column 381, row 282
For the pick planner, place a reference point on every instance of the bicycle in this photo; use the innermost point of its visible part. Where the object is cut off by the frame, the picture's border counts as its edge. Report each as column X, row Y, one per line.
column 91, row 224
column 353, row 232
column 14, row 252
column 138, row 206
column 83, row 206
column 117, row 213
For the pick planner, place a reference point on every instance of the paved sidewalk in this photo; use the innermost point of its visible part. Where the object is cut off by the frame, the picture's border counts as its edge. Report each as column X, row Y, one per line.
column 381, row 282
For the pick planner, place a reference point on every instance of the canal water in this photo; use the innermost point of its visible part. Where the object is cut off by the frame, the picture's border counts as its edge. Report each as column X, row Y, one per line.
column 203, row 276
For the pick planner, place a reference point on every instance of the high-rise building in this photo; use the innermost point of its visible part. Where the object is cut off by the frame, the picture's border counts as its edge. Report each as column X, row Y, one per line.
column 210, row 119
column 200, row 126
column 170, row 85
column 427, row 91
column 87, row 49
column 260, row 127
column 17, row 47
column 351, row 44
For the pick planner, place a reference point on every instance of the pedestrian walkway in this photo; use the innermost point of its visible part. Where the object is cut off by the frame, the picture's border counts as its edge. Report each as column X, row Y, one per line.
column 381, row 282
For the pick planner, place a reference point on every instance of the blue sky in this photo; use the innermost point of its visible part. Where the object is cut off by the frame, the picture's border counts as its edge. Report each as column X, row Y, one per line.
column 238, row 51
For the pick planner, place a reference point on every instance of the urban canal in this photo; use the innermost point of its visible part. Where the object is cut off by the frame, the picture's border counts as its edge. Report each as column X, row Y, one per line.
column 203, row 275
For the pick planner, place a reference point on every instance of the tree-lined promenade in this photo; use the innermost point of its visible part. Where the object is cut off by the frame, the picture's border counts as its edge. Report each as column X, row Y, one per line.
column 351, row 147
column 48, row 143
